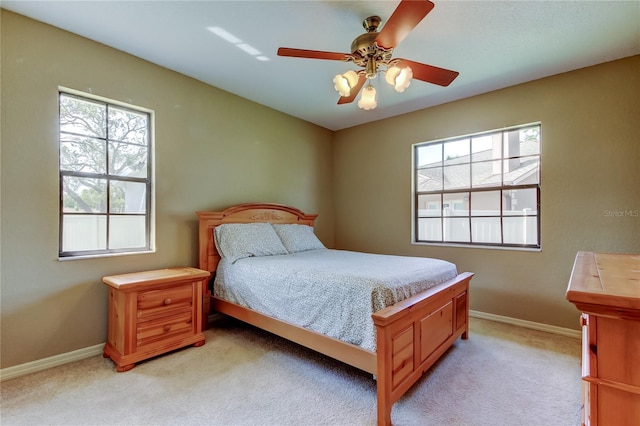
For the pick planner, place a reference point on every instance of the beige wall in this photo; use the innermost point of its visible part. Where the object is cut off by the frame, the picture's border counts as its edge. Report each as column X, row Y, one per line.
column 213, row 149
column 590, row 173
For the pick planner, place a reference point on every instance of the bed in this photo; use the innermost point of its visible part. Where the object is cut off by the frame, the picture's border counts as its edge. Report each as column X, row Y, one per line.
column 409, row 335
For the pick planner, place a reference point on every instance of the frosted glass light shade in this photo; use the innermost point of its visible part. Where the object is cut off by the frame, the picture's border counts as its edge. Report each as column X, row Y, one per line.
column 343, row 83
column 399, row 78
column 368, row 98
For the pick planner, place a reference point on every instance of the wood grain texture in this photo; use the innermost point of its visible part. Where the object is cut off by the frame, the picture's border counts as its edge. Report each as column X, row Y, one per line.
column 606, row 287
column 153, row 312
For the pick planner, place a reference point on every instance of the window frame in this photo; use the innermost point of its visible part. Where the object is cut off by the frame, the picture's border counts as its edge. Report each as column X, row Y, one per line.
column 470, row 190
column 148, row 181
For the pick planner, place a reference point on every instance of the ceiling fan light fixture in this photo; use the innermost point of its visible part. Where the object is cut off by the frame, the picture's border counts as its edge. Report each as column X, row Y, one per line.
column 373, row 53
column 368, row 98
column 399, row 78
column 343, row 83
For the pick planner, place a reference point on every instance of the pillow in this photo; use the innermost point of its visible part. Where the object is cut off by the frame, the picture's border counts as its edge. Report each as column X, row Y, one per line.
column 296, row 238
column 239, row 240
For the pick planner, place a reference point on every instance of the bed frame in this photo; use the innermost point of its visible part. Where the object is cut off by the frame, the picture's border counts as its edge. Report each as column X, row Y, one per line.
column 411, row 335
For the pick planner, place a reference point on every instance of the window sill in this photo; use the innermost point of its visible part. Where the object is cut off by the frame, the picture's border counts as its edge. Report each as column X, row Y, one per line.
column 478, row 246
column 96, row 256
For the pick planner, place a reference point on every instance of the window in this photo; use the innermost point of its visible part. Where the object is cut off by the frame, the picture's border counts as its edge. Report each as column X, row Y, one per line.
column 105, row 177
column 482, row 189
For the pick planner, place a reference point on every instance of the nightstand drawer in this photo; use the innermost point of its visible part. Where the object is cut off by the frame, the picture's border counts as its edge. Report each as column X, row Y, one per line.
column 165, row 302
column 150, row 332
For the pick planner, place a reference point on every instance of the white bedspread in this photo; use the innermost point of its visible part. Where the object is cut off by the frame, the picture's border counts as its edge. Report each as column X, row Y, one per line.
column 333, row 292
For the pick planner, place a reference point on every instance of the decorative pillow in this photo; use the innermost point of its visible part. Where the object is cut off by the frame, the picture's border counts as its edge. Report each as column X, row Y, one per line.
column 239, row 240
column 296, row 238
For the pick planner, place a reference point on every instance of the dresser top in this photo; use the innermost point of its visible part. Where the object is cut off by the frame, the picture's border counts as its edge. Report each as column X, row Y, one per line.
column 606, row 283
column 159, row 276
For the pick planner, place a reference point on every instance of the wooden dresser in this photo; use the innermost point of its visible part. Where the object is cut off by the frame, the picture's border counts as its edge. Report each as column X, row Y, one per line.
column 606, row 288
column 153, row 312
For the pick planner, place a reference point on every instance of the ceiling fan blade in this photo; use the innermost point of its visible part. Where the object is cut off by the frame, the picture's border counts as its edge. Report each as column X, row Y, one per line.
column 313, row 54
column 429, row 73
column 406, row 16
column 362, row 78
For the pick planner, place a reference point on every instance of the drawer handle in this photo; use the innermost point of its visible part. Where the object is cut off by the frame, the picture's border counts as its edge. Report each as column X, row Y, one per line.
column 167, row 301
column 167, row 327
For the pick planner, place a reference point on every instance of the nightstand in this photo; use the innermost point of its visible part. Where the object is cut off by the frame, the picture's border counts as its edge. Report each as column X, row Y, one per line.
column 153, row 312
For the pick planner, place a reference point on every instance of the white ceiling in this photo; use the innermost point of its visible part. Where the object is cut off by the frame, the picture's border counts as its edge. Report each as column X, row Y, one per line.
column 493, row 44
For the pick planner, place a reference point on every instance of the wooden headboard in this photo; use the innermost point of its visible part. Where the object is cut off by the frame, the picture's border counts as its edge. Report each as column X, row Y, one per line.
column 242, row 213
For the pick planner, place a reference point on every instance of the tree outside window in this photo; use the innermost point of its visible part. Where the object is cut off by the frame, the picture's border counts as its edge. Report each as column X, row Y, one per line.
column 105, row 177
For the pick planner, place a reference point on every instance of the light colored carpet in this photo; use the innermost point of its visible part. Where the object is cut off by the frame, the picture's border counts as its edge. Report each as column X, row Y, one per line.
column 502, row 375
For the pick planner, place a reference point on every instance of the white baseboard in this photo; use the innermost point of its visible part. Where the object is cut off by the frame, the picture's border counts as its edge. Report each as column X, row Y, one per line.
column 77, row 355
column 46, row 363
column 527, row 324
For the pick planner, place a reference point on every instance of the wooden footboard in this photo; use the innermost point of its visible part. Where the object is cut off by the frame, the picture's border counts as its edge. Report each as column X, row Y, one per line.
column 413, row 334
column 411, row 337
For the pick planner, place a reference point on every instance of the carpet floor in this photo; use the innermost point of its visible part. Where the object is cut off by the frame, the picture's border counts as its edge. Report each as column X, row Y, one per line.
column 502, row 375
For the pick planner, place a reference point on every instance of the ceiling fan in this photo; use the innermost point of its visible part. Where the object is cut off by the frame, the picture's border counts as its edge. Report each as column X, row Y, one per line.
column 373, row 50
